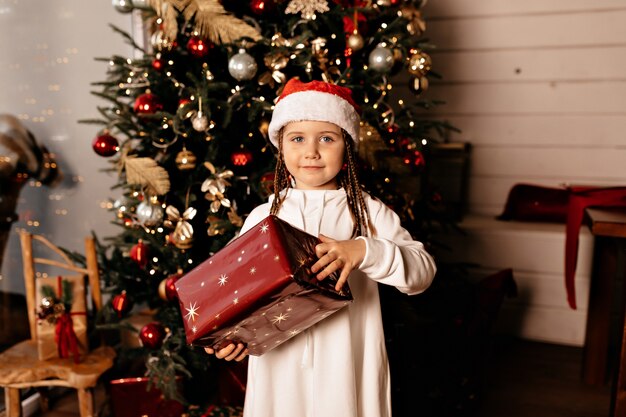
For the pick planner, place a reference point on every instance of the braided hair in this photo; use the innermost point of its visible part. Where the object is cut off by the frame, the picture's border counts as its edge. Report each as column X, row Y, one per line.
column 347, row 178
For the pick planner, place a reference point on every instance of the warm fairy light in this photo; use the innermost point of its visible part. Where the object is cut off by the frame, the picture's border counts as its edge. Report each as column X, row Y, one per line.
column 170, row 62
column 155, row 259
column 165, row 125
column 160, row 229
column 129, row 61
column 401, row 102
column 190, row 261
column 152, row 272
column 424, row 141
column 387, row 180
column 411, row 123
column 169, row 73
column 384, row 26
column 333, row 36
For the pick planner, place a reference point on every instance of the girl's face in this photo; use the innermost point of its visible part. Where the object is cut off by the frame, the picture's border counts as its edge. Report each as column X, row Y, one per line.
column 313, row 153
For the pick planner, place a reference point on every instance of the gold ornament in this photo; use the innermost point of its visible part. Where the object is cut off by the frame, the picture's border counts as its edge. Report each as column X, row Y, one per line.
column 416, row 25
column 275, row 63
column 420, row 64
column 215, row 23
column 307, row 8
column 162, row 294
column 264, row 126
column 355, row 41
column 146, row 172
column 182, row 236
column 418, row 85
column 215, row 187
column 185, row 160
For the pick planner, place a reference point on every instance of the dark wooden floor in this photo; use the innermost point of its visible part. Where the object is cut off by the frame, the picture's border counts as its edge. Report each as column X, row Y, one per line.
column 539, row 380
column 523, row 379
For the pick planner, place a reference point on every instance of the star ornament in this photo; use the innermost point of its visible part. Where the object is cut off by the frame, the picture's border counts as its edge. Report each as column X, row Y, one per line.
column 192, row 312
column 265, row 227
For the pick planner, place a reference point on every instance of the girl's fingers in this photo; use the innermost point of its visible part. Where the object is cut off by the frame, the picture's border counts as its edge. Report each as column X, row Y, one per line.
column 209, row 350
column 342, row 279
column 223, row 353
column 235, row 353
column 242, row 356
column 335, row 265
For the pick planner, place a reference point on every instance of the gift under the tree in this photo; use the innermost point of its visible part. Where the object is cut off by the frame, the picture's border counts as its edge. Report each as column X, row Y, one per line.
column 258, row 290
column 130, row 397
column 62, row 323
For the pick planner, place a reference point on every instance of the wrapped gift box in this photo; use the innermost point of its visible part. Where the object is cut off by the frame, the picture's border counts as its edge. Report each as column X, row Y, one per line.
column 46, row 331
column 130, row 397
column 258, row 290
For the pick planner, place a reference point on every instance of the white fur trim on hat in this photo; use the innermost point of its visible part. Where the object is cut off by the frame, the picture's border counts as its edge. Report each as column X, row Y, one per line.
column 315, row 106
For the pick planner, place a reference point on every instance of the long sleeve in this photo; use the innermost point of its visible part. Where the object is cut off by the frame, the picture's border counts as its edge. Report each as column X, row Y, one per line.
column 394, row 258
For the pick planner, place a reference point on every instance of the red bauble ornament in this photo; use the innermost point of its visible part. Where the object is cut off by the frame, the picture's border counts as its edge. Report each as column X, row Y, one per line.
column 183, row 101
column 157, row 64
column 167, row 287
column 139, row 254
column 105, row 145
column 260, row 7
column 267, row 183
column 121, row 304
column 198, row 47
column 147, row 103
column 241, row 158
column 415, row 158
column 152, row 335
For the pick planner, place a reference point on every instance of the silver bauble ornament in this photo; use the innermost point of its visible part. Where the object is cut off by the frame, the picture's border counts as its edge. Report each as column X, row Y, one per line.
column 420, row 64
column 122, row 6
column 200, row 122
column 149, row 214
column 355, row 42
column 418, row 85
column 381, row 59
column 242, row 66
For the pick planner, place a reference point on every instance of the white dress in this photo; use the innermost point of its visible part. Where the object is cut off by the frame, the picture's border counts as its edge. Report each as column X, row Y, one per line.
column 338, row 368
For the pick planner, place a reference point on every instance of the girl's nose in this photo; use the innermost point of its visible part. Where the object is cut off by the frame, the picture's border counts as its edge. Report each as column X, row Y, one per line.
column 311, row 150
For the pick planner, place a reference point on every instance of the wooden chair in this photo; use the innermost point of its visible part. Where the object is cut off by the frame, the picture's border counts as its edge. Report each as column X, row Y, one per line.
column 20, row 366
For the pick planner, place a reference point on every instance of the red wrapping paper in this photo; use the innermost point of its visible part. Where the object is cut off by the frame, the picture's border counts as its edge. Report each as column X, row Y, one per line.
column 130, row 397
column 258, row 290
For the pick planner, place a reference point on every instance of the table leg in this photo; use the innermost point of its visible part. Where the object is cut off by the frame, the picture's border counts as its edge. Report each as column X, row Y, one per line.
column 599, row 313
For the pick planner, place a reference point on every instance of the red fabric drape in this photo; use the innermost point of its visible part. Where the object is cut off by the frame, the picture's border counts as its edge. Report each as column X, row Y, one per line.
column 580, row 198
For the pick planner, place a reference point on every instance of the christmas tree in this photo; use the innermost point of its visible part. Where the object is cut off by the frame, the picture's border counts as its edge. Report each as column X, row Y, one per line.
column 185, row 126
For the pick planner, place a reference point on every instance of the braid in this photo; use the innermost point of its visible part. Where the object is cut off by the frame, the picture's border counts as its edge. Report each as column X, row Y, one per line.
column 281, row 178
column 356, row 203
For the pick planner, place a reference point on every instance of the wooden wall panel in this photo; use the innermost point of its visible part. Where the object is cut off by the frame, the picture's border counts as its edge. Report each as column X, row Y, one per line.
column 583, row 131
column 437, row 9
column 595, row 63
column 556, row 98
column 529, row 31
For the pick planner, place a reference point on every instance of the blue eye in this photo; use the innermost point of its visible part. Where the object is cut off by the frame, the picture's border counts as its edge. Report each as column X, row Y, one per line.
column 297, row 139
column 326, row 139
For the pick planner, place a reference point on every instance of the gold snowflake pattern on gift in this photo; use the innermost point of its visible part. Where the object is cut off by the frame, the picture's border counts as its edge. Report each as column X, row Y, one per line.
column 279, row 318
column 192, row 312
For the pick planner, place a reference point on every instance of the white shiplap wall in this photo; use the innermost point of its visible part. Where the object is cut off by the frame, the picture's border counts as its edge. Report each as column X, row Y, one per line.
column 539, row 90
column 537, row 87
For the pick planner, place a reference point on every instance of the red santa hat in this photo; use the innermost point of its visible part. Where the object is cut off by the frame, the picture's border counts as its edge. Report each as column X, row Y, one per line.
column 316, row 101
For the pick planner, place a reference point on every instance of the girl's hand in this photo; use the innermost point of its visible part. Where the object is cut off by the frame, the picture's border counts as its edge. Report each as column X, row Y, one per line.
column 230, row 352
column 335, row 255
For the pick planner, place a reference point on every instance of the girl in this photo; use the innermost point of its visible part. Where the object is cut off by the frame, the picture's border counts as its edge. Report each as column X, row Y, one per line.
column 339, row 366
